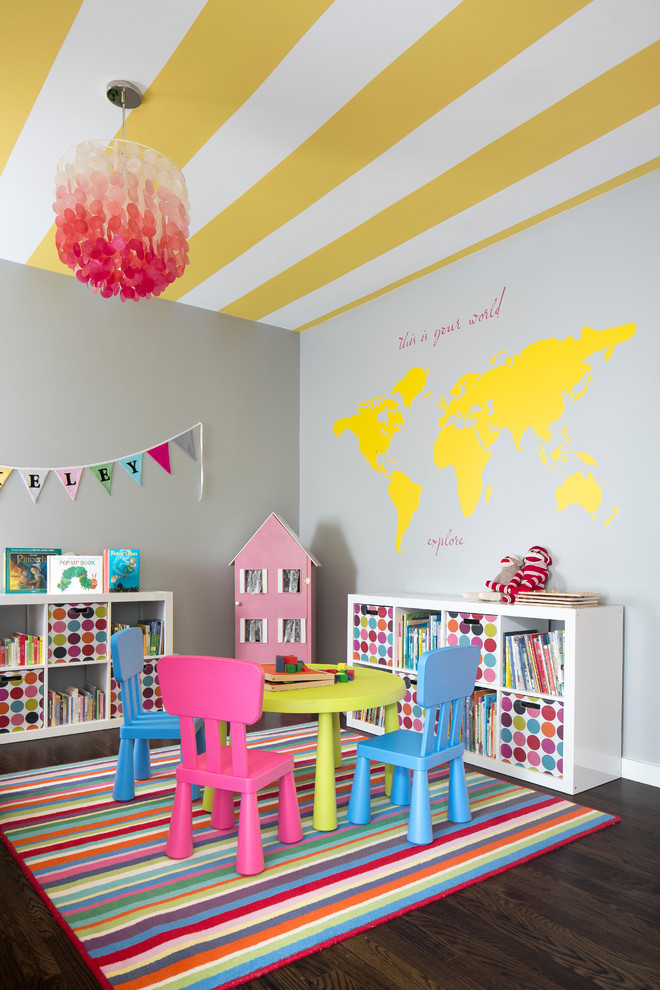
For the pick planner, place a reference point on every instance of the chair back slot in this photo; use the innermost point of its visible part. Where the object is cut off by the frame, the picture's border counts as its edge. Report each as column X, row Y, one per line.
column 188, row 741
column 239, row 763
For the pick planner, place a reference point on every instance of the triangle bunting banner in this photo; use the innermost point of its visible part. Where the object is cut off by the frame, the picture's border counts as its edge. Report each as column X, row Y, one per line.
column 34, row 478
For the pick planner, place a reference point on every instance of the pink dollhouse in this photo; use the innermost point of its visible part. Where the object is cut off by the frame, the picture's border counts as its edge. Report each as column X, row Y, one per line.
column 275, row 593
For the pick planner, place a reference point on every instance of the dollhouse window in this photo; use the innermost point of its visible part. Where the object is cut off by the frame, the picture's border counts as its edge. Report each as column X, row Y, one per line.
column 254, row 581
column 254, row 631
column 291, row 631
column 288, row 579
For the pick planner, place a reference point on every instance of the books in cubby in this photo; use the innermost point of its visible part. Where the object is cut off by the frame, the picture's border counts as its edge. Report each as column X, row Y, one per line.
column 26, row 569
column 71, row 574
column 21, row 650
column 153, row 633
column 74, row 705
column 418, row 632
column 121, row 570
column 480, row 722
column 534, row 661
column 372, row 716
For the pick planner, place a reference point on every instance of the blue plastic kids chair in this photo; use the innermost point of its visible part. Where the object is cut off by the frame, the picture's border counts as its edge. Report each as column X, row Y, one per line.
column 445, row 678
column 133, row 761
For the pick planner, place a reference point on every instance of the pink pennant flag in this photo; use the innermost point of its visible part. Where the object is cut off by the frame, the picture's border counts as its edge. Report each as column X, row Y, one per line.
column 161, row 454
column 70, row 478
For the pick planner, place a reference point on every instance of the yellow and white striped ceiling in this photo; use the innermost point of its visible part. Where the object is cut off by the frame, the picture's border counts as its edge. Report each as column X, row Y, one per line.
column 332, row 150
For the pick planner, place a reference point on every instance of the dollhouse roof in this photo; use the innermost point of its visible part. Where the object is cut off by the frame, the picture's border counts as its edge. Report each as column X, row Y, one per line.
column 288, row 529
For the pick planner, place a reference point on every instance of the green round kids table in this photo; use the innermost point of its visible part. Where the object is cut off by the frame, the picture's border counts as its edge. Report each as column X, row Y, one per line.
column 371, row 688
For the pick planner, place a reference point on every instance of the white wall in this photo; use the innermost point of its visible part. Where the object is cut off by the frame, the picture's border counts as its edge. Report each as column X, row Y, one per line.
column 595, row 266
column 87, row 380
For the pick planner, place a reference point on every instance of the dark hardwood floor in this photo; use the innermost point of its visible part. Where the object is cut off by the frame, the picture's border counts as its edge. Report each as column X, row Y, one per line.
column 586, row 915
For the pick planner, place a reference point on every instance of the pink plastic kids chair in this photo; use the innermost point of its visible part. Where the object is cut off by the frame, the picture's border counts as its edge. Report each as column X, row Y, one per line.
column 223, row 690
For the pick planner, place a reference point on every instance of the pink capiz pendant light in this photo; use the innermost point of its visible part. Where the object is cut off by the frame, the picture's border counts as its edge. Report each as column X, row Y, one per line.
column 122, row 210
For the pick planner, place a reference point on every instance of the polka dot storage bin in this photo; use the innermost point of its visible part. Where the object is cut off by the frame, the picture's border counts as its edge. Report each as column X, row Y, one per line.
column 475, row 629
column 115, row 699
column 411, row 715
column 151, row 696
column 373, row 634
column 22, row 702
column 77, row 632
column 532, row 733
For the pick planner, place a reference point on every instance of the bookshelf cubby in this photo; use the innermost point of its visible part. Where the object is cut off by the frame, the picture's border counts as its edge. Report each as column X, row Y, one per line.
column 546, row 707
column 61, row 679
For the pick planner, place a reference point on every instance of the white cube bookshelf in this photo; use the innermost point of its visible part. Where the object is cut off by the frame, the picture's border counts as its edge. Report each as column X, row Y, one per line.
column 568, row 738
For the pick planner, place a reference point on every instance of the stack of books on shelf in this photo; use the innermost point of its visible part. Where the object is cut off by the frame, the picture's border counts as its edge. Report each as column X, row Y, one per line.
column 21, row 650
column 535, row 661
column 153, row 632
column 418, row 632
column 74, row 705
column 44, row 570
column 480, row 722
column 372, row 716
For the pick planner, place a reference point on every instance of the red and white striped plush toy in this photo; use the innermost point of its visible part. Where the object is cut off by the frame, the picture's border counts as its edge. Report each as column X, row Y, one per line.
column 532, row 575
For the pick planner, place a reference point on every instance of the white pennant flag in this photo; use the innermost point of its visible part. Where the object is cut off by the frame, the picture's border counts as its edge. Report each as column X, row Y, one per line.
column 33, row 479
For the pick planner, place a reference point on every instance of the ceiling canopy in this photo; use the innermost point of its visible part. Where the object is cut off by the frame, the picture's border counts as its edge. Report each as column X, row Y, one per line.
column 332, row 150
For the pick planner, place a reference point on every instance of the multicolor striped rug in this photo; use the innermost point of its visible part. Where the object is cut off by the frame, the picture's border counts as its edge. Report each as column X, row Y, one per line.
column 142, row 920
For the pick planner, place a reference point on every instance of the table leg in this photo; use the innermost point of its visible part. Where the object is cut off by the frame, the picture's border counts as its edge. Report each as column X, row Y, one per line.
column 336, row 738
column 391, row 724
column 325, row 799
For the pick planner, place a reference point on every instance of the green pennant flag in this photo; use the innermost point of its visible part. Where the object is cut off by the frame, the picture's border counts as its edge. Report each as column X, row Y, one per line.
column 103, row 474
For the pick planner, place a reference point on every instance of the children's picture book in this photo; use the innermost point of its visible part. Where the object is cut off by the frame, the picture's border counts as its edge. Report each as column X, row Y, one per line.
column 67, row 573
column 121, row 570
column 26, row 569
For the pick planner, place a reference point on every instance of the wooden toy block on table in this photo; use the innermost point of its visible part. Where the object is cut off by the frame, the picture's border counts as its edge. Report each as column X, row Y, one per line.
column 341, row 673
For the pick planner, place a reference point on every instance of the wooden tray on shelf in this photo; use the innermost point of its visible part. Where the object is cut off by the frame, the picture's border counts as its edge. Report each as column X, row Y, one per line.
column 578, row 599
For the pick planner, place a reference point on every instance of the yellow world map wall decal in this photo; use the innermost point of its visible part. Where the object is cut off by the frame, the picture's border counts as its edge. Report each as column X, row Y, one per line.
column 525, row 391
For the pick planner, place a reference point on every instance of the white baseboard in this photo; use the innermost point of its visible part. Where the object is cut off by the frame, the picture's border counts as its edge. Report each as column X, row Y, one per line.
column 643, row 773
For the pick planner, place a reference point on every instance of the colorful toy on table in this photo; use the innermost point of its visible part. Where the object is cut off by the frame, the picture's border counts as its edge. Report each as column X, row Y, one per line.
column 289, row 665
column 289, row 672
column 341, row 673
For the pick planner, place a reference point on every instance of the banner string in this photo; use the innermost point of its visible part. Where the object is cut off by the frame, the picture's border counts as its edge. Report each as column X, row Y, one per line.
column 136, row 453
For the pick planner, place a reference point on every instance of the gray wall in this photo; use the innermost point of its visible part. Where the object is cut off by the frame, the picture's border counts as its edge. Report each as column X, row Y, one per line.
column 595, row 266
column 87, row 380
